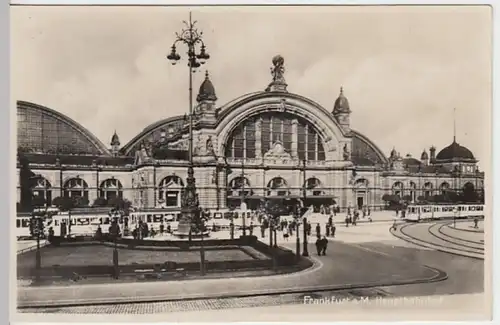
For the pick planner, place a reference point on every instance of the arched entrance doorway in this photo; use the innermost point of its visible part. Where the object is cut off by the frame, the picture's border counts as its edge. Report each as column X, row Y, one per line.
column 239, row 190
column 361, row 193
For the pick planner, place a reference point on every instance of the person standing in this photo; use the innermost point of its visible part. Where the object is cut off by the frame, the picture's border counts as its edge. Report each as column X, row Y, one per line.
column 333, row 230
column 318, row 230
column 324, row 246
column 318, row 245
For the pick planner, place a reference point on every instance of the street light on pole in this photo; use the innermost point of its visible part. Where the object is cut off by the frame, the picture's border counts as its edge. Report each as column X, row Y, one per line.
column 192, row 38
column 305, row 251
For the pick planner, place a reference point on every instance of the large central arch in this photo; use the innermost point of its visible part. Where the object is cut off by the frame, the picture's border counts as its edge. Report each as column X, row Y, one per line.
column 327, row 128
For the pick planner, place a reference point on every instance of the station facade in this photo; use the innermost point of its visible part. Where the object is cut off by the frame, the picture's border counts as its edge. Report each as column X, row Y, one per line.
column 269, row 144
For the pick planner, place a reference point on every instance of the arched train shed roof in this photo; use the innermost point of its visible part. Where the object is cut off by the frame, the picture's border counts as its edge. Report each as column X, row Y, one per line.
column 44, row 130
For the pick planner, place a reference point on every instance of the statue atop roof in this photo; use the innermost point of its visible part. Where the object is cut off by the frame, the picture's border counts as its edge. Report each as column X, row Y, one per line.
column 277, row 71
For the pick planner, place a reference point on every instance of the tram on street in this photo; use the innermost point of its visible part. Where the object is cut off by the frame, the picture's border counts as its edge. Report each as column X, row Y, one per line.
column 416, row 213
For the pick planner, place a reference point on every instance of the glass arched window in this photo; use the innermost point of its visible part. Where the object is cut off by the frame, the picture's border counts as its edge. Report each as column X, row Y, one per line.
column 444, row 187
column 397, row 189
column 239, row 186
column 111, row 188
column 413, row 191
column 170, row 190
column 277, row 187
column 76, row 187
column 43, row 189
column 313, row 185
column 298, row 137
column 427, row 190
column 469, row 192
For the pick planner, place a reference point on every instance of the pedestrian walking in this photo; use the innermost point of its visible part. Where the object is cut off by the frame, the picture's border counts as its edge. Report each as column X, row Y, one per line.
column 327, row 230
column 324, row 246
column 318, row 246
column 333, row 230
column 318, row 230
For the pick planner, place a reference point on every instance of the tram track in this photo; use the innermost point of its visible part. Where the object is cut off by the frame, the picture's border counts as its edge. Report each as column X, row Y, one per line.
column 434, row 230
column 435, row 246
column 480, row 245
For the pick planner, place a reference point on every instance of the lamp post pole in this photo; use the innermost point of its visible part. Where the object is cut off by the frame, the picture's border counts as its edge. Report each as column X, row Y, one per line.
column 192, row 38
column 305, row 251
column 243, row 212
column 297, row 232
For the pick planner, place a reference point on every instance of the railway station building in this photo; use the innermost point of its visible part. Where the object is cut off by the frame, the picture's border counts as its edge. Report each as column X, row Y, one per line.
column 268, row 144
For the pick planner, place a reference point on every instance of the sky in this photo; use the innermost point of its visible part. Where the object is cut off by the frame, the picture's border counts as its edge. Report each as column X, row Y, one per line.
column 403, row 69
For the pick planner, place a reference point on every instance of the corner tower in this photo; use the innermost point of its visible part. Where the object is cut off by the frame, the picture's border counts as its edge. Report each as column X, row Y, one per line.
column 342, row 112
column 206, row 100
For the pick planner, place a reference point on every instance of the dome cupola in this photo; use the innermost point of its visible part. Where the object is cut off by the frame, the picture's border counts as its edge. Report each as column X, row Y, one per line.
column 455, row 152
column 424, row 156
column 115, row 144
column 341, row 103
column 342, row 112
column 207, row 90
column 115, row 140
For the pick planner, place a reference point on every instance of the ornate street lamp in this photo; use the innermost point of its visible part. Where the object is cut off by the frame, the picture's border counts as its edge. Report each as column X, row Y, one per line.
column 114, row 233
column 192, row 38
column 305, row 251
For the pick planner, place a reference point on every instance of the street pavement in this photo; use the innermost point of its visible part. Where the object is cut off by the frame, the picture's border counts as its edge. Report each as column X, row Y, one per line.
column 339, row 268
column 357, row 255
column 439, row 236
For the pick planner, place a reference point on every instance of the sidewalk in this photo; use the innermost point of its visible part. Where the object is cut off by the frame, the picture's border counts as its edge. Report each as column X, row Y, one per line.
column 28, row 245
column 378, row 218
column 340, row 269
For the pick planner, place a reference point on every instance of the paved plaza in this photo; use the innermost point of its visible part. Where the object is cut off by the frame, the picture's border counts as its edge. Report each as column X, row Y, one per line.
column 359, row 256
column 336, row 270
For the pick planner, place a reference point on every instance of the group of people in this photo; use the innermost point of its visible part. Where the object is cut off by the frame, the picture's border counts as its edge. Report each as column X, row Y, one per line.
column 321, row 245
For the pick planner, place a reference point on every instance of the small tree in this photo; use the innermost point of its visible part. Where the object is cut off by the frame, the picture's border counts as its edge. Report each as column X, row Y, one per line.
column 100, row 202
column 81, row 202
column 120, row 204
column 64, row 203
column 407, row 198
column 39, row 201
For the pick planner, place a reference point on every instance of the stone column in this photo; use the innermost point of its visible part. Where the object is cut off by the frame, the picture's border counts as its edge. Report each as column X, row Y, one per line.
column 258, row 138
column 295, row 138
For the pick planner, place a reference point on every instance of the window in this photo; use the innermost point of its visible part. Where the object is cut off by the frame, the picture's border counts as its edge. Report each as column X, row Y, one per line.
column 111, row 188
column 43, row 190
column 275, row 127
column 76, row 187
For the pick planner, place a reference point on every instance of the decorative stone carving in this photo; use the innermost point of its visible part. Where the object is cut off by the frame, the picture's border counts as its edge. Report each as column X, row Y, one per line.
column 346, row 153
column 277, row 71
column 277, row 151
column 210, row 146
column 282, row 106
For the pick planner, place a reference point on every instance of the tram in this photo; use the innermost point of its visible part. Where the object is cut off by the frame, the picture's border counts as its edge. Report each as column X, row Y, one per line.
column 221, row 218
column 416, row 213
column 83, row 223
column 23, row 222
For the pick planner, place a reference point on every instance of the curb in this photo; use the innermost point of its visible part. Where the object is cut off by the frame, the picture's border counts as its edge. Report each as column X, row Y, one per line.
column 32, row 248
column 440, row 230
column 428, row 245
column 439, row 276
column 468, row 230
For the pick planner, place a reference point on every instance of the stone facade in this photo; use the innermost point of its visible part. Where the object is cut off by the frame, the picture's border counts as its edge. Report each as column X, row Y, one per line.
column 277, row 141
